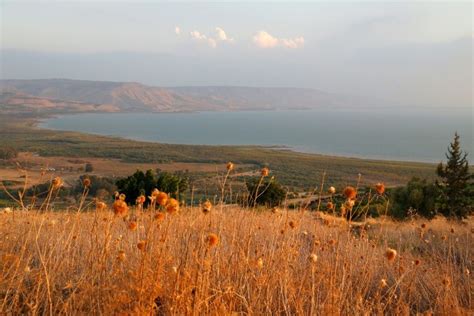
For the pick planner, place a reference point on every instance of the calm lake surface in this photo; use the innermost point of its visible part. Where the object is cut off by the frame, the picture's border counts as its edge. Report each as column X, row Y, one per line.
column 413, row 135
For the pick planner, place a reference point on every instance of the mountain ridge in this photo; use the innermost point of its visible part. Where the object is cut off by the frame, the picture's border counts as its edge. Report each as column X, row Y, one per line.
column 111, row 96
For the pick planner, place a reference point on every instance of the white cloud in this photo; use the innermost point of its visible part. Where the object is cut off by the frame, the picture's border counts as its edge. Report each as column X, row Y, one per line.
column 197, row 35
column 264, row 39
column 221, row 36
column 177, row 30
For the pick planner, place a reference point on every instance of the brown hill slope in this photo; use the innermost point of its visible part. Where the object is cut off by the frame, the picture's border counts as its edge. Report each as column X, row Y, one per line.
column 17, row 102
column 119, row 96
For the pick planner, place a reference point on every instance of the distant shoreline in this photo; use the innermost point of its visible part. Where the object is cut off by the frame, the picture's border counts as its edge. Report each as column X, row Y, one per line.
column 291, row 168
column 42, row 123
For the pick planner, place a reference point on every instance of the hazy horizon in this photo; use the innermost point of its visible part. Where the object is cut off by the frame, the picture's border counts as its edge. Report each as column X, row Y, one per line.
column 411, row 54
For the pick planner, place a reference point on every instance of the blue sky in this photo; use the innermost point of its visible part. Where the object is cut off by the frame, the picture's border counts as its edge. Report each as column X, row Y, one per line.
column 409, row 52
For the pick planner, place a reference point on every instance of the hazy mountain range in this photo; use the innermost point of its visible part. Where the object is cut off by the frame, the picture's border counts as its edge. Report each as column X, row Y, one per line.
column 64, row 95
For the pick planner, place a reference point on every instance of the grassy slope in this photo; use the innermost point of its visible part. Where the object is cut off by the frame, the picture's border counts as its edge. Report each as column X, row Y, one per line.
column 68, row 262
column 293, row 169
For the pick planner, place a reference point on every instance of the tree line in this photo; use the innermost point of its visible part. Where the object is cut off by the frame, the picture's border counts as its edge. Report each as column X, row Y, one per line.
column 451, row 195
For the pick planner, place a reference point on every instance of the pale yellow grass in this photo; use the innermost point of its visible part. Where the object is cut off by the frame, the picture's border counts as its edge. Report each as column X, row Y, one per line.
column 89, row 263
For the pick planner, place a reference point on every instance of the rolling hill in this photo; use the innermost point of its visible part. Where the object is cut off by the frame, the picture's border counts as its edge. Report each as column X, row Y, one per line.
column 65, row 95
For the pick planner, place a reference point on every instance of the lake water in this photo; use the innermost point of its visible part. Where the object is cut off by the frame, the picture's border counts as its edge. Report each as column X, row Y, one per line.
column 412, row 135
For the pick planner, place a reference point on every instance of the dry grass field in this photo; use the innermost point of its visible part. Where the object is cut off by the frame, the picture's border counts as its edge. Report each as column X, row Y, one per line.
column 70, row 169
column 231, row 261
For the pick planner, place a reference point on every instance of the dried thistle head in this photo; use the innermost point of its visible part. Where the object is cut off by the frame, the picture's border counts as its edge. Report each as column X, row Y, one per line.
column 330, row 205
column 86, row 182
column 120, row 208
column 390, row 254
column 230, row 166
column 350, row 192
column 155, row 192
column 380, row 188
column 265, row 172
column 313, row 258
column 162, row 198
column 212, row 240
column 349, row 204
column 141, row 245
column 172, row 206
column 132, row 225
column 122, row 197
column 292, row 224
column 159, row 216
column 332, row 190
column 206, row 207
column 140, row 200
column 56, row 183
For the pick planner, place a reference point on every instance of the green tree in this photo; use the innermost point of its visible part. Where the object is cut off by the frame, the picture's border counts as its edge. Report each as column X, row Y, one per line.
column 137, row 184
column 89, row 167
column 171, row 183
column 455, row 185
column 270, row 192
column 418, row 195
column 144, row 183
column 102, row 184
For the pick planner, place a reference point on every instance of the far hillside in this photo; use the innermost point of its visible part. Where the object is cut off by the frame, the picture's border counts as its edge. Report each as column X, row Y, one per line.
column 85, row 96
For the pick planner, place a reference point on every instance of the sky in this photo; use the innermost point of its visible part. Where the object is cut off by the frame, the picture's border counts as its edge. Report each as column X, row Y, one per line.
column 408, row 52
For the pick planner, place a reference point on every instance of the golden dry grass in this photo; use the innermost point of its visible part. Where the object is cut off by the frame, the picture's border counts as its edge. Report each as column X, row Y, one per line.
column 291, row 263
